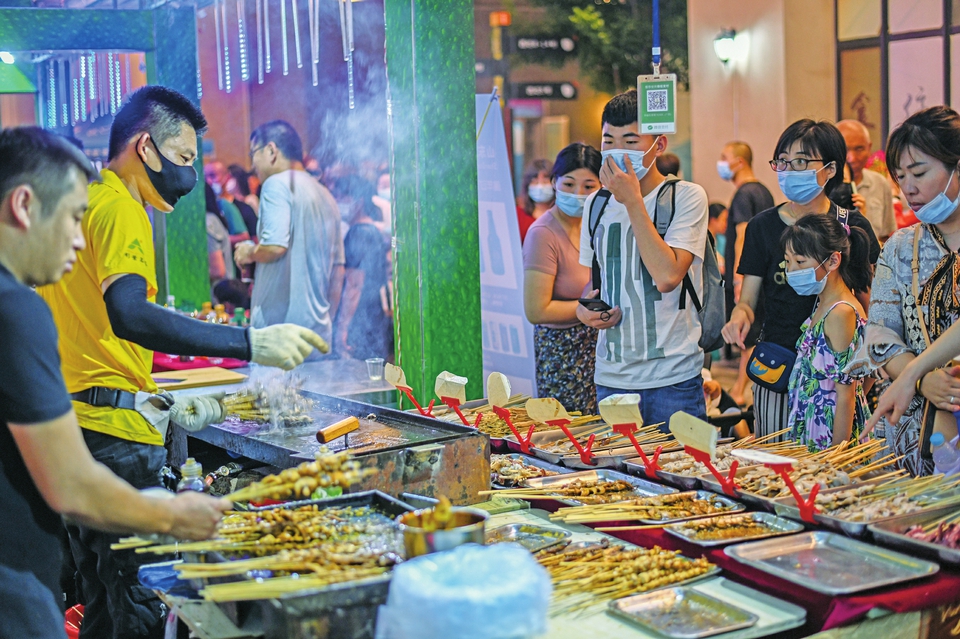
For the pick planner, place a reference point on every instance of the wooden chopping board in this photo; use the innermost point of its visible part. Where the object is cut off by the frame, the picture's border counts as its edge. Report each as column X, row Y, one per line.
column 197, row 378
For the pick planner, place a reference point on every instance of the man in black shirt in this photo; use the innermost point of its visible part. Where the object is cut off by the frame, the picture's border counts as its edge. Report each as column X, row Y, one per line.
column 751, row 197
column 45, row 467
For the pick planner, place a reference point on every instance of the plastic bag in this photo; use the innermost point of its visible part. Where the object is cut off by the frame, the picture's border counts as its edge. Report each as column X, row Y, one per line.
column 470, row 592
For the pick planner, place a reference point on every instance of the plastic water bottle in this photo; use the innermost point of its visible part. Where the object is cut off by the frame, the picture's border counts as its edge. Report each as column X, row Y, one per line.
column 946, row 458
column 191, row 476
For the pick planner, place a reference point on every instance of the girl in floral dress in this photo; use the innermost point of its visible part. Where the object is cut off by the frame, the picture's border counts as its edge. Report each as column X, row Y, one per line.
column 828, row 259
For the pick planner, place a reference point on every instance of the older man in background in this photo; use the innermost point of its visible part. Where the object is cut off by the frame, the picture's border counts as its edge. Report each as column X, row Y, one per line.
column 300, row 255
column 876, row 201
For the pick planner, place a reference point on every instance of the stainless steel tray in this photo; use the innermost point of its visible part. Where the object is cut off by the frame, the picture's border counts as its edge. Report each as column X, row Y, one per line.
column 685, row 482
column 532, row 461
column 642, row 487
column 776, row 526
column 614, row 457
column 787, row 507
column 891, row 533
column 829, row 563
column 710, row 482
column 531, row 537
column 682, row 613
column 734, row 507
column 549, row 436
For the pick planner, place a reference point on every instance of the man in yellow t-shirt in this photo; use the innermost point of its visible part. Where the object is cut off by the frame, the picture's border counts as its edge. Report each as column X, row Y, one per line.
column 109, row 327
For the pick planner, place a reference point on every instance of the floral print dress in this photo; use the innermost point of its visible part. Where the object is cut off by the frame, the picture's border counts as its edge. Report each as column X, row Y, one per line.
column 812, row 391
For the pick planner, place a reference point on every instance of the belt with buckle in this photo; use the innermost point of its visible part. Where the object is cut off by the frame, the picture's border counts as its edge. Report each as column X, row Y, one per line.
column 99, row 396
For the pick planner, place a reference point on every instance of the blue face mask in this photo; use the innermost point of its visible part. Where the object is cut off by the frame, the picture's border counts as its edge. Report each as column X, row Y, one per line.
column 636, row 158
column 800, row 186
column 570, row 203
column 540, row 193
column 939, row 208
column 723, row 170
column 804, row 281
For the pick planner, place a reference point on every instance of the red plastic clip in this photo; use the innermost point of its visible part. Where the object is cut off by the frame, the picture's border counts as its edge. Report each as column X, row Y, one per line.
column 504, row 414
column 650, row 465
column 585, row 455
column 454, row 404
column 807, row 507
column 728, row 483
column 406, row 390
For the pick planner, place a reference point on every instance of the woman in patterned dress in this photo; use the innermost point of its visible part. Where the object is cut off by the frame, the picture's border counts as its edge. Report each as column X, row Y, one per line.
column 827, row 403
column 565, row 349
column 914, row 296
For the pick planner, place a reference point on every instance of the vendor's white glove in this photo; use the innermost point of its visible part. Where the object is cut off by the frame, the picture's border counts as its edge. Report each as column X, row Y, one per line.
column 194, row 413
column 284, row 345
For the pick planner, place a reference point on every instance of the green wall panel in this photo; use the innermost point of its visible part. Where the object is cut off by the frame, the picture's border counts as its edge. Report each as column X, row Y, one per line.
column 173, row 63
column 430, row 71
column 65, row 29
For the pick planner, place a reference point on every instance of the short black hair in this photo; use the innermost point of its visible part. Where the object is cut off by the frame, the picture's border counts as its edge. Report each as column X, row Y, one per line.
column 934, row 131
column 576, row 156
column 283, row 135
column 715, row 209
column 818, row 139
column 44, row 161
column 668, row 164
column 156, row 110
column 621, row 110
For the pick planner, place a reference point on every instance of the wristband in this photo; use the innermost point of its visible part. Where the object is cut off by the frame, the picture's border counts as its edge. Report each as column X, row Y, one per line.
column 919, row 382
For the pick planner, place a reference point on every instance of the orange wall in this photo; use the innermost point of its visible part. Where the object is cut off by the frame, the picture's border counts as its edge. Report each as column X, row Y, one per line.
column 18, row 109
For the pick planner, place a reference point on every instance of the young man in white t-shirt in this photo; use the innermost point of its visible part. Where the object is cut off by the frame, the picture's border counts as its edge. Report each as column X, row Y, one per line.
column 647, row 344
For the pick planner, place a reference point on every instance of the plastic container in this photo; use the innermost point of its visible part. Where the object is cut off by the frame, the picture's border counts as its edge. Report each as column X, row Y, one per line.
column 946, row 458
column 222, row 316
column 239, row 319
column 470, row 592
column 207, row 314
column 191, row 476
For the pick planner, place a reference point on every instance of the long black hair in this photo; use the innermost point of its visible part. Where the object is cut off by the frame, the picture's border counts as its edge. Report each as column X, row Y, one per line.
column 820, row 236
column 576, row 156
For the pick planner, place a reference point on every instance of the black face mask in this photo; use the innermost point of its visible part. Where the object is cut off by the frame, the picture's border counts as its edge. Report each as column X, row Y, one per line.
column 172, row 181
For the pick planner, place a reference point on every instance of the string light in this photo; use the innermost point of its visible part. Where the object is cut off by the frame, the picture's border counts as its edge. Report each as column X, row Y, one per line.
column 228, row 84
column 242, row 35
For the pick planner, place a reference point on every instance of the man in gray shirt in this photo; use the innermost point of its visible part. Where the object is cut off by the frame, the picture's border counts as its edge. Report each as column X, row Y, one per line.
column 877, row 198
column 300, row 252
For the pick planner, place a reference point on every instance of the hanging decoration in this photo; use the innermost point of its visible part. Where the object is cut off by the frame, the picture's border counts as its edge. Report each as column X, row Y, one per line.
column 346, row 34
column 296, row 32
column 283, row 36
column 242, row 40
column 216, row 30
column 314, row 12
column 259, row 41
column 227, row 82
column 266, row 34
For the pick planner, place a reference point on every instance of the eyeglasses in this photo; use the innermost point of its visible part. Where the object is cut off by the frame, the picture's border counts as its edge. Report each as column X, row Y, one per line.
column 796, row 164
column 253, row 152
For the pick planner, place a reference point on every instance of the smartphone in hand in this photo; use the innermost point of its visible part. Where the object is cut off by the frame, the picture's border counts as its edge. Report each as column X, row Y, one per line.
column 594, row 304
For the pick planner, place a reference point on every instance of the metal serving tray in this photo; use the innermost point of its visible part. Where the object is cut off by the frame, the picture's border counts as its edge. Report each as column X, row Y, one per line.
column 734, row 507
column 829, row 563
column 891, row 533
column 550, row 436
column 531, row 461
column 682, row 613
column 787, row 507
column 642, row 487
column 776, row 526
column 531, row 537
column 710, row 482
column 614, row 457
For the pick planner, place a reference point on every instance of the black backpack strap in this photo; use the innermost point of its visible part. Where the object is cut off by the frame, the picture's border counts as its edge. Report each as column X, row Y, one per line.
column 687, row 286
column 666, row 194
column 597, row 207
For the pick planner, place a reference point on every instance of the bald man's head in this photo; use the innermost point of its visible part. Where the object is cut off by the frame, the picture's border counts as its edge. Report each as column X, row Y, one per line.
column 859, row 147
column 741, row 150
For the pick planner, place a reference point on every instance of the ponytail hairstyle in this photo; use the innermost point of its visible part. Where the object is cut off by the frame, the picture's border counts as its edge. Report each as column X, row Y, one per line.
column 820, row 236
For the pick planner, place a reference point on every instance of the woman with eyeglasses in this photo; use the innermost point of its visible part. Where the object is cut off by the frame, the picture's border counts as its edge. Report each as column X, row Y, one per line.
column 808, row 160
column 914, row 298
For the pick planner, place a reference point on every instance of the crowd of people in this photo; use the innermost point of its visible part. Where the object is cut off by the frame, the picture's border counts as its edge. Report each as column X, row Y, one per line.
column 299, row 246
column 830, row 294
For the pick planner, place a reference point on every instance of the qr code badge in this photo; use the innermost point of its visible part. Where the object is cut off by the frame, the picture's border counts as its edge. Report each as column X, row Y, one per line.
column 656, row 100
